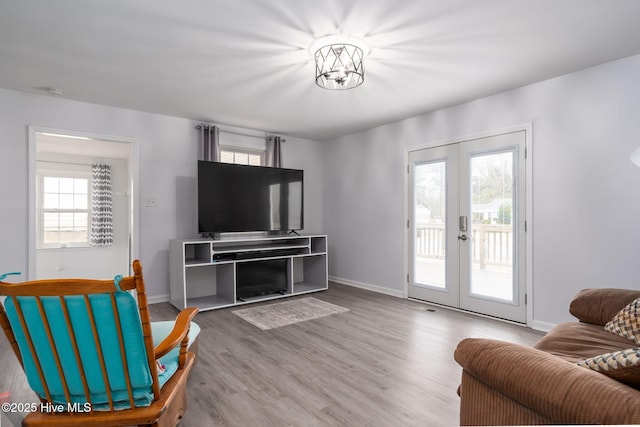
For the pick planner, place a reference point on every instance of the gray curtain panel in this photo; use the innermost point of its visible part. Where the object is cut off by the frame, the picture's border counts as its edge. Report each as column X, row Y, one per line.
column 209, row 143
column 101, row 206
column 274, row 151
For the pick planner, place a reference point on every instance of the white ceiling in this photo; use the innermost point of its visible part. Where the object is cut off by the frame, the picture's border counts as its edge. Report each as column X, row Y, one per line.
column 246, row 62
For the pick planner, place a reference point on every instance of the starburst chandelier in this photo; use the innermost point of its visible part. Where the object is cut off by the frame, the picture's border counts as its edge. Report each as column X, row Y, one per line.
column 339, row 62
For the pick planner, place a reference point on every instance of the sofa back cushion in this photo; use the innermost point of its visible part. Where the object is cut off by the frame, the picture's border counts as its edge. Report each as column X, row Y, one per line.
column 598, row 306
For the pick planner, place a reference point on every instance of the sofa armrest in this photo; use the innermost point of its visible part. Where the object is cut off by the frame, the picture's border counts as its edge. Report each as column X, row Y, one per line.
column 547, row 385
column 598, row 305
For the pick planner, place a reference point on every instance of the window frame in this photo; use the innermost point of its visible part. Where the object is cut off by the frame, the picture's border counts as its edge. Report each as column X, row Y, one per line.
column 53, row 171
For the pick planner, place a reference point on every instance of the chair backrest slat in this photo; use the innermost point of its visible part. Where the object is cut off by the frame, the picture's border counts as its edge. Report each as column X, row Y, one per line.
column 123, row 353
column 32, row 348
column 96, row 337
column 76, row 352
column 145, row 318
column 54, row 350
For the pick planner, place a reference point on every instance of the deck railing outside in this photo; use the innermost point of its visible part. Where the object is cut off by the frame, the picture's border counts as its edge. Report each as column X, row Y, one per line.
column 492, row 244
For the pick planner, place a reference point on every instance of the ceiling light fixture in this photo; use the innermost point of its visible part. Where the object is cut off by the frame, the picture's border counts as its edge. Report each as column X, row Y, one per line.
column 339, row 62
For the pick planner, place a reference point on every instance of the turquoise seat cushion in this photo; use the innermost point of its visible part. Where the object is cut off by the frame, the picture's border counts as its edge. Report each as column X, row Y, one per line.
column 108, row 341
column 169, row 361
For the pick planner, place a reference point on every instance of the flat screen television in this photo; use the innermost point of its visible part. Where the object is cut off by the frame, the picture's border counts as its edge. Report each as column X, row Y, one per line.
column 238, row 198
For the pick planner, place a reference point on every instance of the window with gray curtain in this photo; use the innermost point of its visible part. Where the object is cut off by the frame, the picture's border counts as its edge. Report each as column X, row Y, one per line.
column 101, row 206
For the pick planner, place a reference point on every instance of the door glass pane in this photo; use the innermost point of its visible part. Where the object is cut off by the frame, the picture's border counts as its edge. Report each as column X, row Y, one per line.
column 429, row 209
column 492, row 203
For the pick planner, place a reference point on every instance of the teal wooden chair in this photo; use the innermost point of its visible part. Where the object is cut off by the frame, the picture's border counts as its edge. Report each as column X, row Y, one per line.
column 89, row 349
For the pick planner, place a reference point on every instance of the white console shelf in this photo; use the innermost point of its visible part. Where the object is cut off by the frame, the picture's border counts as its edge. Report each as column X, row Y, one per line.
column 212, row 274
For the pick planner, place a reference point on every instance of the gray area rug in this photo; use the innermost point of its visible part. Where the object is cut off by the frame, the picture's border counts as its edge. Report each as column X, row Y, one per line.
column 287, row 313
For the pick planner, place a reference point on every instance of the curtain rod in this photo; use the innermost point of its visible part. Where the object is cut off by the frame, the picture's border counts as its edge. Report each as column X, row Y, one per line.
column 240, row 133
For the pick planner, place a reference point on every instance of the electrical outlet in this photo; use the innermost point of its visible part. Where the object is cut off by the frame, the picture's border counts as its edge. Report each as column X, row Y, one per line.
column 150, row 202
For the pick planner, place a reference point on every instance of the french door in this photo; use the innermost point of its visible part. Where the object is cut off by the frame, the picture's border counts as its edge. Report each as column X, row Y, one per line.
column 467, row 226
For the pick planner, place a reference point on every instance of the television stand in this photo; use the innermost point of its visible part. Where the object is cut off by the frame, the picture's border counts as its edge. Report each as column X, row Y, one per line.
column 216, row 273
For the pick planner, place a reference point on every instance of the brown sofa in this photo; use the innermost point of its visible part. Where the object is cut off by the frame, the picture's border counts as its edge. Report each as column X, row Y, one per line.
column 509, row 384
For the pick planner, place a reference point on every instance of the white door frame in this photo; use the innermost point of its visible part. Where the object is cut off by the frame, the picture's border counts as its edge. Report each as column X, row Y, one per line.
column 32, row 167
column 528, row 214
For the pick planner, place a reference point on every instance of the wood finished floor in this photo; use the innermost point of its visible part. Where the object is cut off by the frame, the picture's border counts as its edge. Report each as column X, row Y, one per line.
column 386, row 362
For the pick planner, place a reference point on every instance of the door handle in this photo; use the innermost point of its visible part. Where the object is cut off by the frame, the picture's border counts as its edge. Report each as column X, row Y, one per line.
column 462, row 237
column 462, row 223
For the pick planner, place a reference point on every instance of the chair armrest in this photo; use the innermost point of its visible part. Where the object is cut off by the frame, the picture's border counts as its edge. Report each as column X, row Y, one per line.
column 598, row 305
column 177, row 334
column 548, row 385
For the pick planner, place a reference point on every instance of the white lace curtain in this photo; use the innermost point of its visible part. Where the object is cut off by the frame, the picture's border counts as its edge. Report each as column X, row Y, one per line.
column 101, row 206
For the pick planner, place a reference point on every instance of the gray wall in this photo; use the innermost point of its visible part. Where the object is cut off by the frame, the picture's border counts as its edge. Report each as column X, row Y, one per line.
column 167, row 152
column 586, row 192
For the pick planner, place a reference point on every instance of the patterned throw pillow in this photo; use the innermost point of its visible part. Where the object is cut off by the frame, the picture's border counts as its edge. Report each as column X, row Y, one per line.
column 623, row 365
column 627, row 322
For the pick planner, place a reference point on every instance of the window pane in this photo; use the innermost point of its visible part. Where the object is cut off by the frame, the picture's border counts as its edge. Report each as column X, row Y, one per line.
column 66, row 220
column 51, row 236
column 226, row 156
column 66, row 201
column 491, row 205
column 430, row 223
column 66, row 185
column 80, row 220
column 80, row 186
column 50, row 220
column 50, row 228
column 80, row 201
column 50, row 184
column 80, row 235
column 50, row 201
column 242, row 159
column 254, row 160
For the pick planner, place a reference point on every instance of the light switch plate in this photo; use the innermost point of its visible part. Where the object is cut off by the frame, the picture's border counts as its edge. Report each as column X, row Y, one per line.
column 150, row 202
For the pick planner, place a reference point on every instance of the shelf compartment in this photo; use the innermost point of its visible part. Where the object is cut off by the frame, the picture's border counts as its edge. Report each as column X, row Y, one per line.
column 309, row 273
column 197, row 253
column 318, row 245
column 261, row 255
column 210, row 302
column 222, row 247
column 263, row 278
column 304, row 287
column 210, row 284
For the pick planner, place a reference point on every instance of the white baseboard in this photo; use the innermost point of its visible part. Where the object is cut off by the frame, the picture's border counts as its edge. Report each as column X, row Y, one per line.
column 367, row 286
column 157, row 299
column 542, row 326
column 536, row 324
